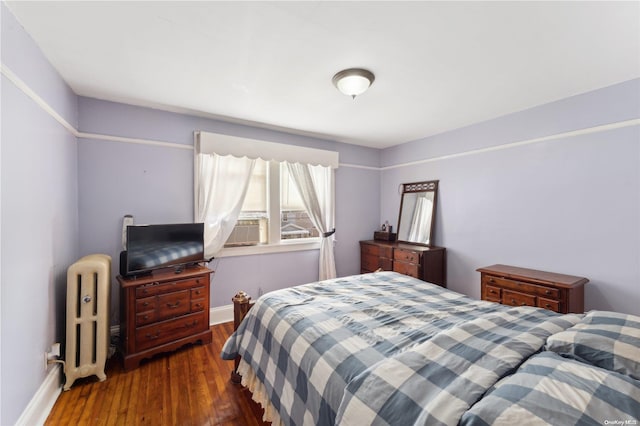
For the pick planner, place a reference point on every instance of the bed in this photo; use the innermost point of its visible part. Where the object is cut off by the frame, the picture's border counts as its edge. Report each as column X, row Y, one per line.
column 387, row 349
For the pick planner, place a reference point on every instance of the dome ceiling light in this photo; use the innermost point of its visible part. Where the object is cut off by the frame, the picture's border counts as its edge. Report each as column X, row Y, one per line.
column 353, row 81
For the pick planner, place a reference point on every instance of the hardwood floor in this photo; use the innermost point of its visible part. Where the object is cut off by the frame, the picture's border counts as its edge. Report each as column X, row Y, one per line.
column 188, row 387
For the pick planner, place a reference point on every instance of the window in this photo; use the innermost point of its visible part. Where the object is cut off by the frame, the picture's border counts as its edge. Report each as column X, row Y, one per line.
column 295, row 222
column 253, row 221
column 271, row 180
column 246, row 192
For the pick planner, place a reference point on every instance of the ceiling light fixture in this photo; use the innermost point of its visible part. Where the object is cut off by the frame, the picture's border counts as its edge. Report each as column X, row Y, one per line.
column 354, row 81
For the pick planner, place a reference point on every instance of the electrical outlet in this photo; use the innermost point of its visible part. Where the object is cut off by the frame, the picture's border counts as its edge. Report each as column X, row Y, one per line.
column 53, row 354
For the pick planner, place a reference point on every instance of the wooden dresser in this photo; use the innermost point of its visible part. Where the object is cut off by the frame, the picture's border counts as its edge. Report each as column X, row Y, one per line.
column 515, row 286
column 425, row 263
column 162, row 312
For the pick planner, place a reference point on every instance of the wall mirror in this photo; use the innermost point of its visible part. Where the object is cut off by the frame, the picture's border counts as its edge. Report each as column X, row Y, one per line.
column 417, row 212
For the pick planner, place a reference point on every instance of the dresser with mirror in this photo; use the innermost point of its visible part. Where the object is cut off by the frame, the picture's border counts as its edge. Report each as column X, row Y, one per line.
column 413, row 253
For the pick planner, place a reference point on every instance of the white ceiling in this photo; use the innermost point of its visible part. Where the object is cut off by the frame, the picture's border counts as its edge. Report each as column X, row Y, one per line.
column 438, row 65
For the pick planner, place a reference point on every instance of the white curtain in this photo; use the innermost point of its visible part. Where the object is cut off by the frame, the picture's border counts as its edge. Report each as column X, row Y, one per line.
column 221, row 184
column 315, row 185
column 421, row 221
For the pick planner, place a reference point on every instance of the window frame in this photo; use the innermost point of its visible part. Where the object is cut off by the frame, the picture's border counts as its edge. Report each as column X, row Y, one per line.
column 224, row 144
column 276, row 244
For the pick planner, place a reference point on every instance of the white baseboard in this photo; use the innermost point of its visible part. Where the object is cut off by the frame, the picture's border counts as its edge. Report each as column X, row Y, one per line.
column 220, row 314
column 42, row 402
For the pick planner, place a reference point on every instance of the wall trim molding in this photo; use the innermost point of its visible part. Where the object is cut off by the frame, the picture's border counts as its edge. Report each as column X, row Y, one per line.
column 358, row 166
column 508, row 145
column 20, row 84
column 40, row 406
column 123, row 139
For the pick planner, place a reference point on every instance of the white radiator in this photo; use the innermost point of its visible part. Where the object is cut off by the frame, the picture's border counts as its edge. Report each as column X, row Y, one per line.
column 88, row 294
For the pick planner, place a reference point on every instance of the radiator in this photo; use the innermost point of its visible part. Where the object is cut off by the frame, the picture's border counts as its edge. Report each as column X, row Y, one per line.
column 87, row 341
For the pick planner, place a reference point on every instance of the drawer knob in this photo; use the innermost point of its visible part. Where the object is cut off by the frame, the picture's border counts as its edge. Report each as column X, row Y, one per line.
column 491, row 280
column 492, row 291
column 152, row 336
column 547, row 305
column 513, row 300
column 173, row 305
column 547, row 292
column 523, row 304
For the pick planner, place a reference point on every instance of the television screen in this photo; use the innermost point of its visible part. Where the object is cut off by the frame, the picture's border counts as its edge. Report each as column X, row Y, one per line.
column 160, row 246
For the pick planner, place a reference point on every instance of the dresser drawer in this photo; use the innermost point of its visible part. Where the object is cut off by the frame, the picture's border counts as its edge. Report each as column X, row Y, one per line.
column 146, row 304
column 492, row 293
column 552, row 305
column 159, row 288
column 147, row 317
column 405, row 268
column 369, row 262
column 386, row 252
column 166, row 331
column 198, row 292
column 538, row 290
column 369, row 249
column 405, row 255
column 173, row 304
column 197, row 305
column 515, row 298
column 386, row 264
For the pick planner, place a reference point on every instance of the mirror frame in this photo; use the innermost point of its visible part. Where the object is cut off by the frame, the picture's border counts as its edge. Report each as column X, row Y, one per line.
column 409, row 188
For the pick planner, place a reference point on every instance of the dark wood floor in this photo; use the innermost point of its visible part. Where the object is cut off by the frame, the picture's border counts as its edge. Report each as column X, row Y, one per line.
column 188, row 387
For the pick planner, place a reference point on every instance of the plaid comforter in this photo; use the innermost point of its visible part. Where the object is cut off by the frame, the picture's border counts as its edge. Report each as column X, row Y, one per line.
column 383, row 348
column 571, row 392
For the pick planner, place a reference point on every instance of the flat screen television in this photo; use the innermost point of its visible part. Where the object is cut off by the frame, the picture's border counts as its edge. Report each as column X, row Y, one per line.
column 152, row 247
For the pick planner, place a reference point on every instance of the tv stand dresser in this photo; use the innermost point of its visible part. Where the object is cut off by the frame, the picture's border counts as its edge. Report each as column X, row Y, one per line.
column 163, row 311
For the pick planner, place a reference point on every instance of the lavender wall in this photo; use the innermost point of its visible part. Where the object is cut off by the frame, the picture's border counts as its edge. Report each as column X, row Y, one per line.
column 569, row 205
column 155, row 185
column 39, row 215
column 62, row 198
